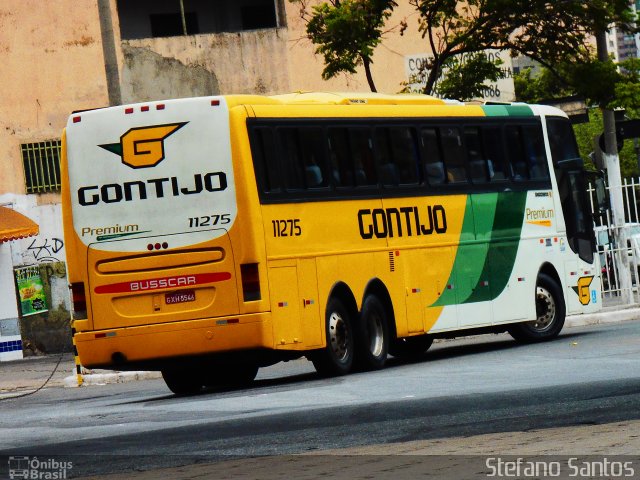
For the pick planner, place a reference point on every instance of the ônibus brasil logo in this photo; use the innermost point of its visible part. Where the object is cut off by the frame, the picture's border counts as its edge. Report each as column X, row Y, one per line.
column 143, row 147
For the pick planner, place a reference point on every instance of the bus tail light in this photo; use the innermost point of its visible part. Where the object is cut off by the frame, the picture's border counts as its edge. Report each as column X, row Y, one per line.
column 250, row 282
column 79, row 301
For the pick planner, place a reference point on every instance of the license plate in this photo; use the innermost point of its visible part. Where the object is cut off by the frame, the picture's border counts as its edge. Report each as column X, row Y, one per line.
column 180, row 297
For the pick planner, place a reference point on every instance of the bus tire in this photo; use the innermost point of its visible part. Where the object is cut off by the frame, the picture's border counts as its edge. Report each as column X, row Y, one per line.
column 550, row 313
column 337, row 357
column 182, row 382
column 411, row 348
column 372, row 335
column 232, row 376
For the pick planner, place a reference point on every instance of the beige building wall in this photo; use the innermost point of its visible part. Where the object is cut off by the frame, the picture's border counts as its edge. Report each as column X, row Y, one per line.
column 222, row 63
column 51, row 64
column 268, row 61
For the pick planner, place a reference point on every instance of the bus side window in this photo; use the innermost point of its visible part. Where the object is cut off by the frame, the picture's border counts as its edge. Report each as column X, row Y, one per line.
column 264, row 154
column 494, row 151
column 433, row 164
column 478, row 170
column 340, row 158
column 291, row 158
column 362, row 153
column 534, row 151
column 454, row 154
column 312, row 142
column 515, row 154
column 397, row 153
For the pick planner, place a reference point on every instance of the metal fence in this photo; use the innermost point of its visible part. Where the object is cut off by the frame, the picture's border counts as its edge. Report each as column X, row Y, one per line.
column 620, row 259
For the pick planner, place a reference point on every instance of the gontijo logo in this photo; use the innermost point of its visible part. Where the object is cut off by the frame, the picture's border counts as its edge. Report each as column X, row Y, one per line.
column 143, row 147
column 582, row 289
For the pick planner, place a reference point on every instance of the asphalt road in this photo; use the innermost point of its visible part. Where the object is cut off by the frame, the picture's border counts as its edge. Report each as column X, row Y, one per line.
column 589, row 375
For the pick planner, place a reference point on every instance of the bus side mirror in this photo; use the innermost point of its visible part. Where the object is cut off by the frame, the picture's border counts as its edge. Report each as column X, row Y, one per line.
column 601, row 194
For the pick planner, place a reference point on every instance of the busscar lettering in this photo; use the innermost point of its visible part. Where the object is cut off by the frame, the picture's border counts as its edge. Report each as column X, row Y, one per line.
column 152, row 188
column 401, row 222
column 162, row 283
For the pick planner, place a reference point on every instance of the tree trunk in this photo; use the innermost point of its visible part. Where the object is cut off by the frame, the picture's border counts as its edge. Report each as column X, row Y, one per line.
column 367, row 71
column 434, row 73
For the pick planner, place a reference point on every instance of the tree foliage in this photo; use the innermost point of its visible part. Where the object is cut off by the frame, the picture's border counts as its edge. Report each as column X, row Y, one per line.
column 465, row 80
column 346, row 32
column 590, row 79
column 627, row 89
column 586, row 133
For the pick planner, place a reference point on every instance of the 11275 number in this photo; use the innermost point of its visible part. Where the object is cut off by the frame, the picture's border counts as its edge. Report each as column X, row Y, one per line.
column 286, row 228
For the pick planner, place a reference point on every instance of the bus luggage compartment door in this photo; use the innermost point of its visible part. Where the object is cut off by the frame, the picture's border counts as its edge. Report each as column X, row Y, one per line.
column 132, row 289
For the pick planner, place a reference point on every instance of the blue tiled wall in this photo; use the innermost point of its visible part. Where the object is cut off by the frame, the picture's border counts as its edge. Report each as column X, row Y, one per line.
column 11, row 346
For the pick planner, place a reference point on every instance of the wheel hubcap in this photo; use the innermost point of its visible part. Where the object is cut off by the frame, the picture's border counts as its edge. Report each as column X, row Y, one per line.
column 545, row 310
column 339, row 336
column 376, row 335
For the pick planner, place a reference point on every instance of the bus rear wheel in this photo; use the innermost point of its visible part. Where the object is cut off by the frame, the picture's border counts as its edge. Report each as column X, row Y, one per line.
column 182, row 382
column 550, row 313
column 337, row 357
column 411, row 348
column 372, row 335
column 232, row 376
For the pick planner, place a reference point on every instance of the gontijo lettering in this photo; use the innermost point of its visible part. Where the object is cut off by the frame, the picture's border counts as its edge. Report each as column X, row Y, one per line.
column 155, row 187
column 400, row 222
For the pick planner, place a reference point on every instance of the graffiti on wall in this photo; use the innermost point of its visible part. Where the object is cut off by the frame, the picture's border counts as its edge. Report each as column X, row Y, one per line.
column 43, row 250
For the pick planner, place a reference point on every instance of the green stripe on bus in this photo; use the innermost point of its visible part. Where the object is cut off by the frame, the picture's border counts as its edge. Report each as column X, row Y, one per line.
column 507, row 110
column 505, row 239
column 468, row 263
column 488, row 246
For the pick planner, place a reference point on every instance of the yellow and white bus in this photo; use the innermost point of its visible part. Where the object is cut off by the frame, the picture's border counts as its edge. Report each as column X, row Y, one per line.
column 209, row 237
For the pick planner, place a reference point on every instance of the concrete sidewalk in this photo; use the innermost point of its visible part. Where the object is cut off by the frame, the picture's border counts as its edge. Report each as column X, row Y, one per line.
column 22, row 376
column 18, row 377
column 590, row 447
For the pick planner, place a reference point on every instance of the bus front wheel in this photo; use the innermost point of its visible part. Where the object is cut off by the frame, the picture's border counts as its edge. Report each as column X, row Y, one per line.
column 372, row 335
column 337, row 357
column 550, row 313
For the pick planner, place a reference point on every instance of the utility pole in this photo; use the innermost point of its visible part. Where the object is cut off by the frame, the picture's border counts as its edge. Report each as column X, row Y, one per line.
column 612, row 164
column 109, row 52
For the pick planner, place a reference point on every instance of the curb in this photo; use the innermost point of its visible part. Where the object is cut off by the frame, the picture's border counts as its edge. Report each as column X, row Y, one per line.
column 604, row 316
column 108, row 378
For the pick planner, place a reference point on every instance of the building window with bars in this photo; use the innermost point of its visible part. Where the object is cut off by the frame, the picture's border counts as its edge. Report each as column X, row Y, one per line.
column 41, row 163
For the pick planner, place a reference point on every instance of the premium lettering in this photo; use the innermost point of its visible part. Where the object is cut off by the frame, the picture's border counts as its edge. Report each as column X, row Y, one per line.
column 111, row 230
column 539, row 214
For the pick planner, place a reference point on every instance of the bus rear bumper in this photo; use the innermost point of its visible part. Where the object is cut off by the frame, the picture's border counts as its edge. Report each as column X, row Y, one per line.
column 125, row 348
